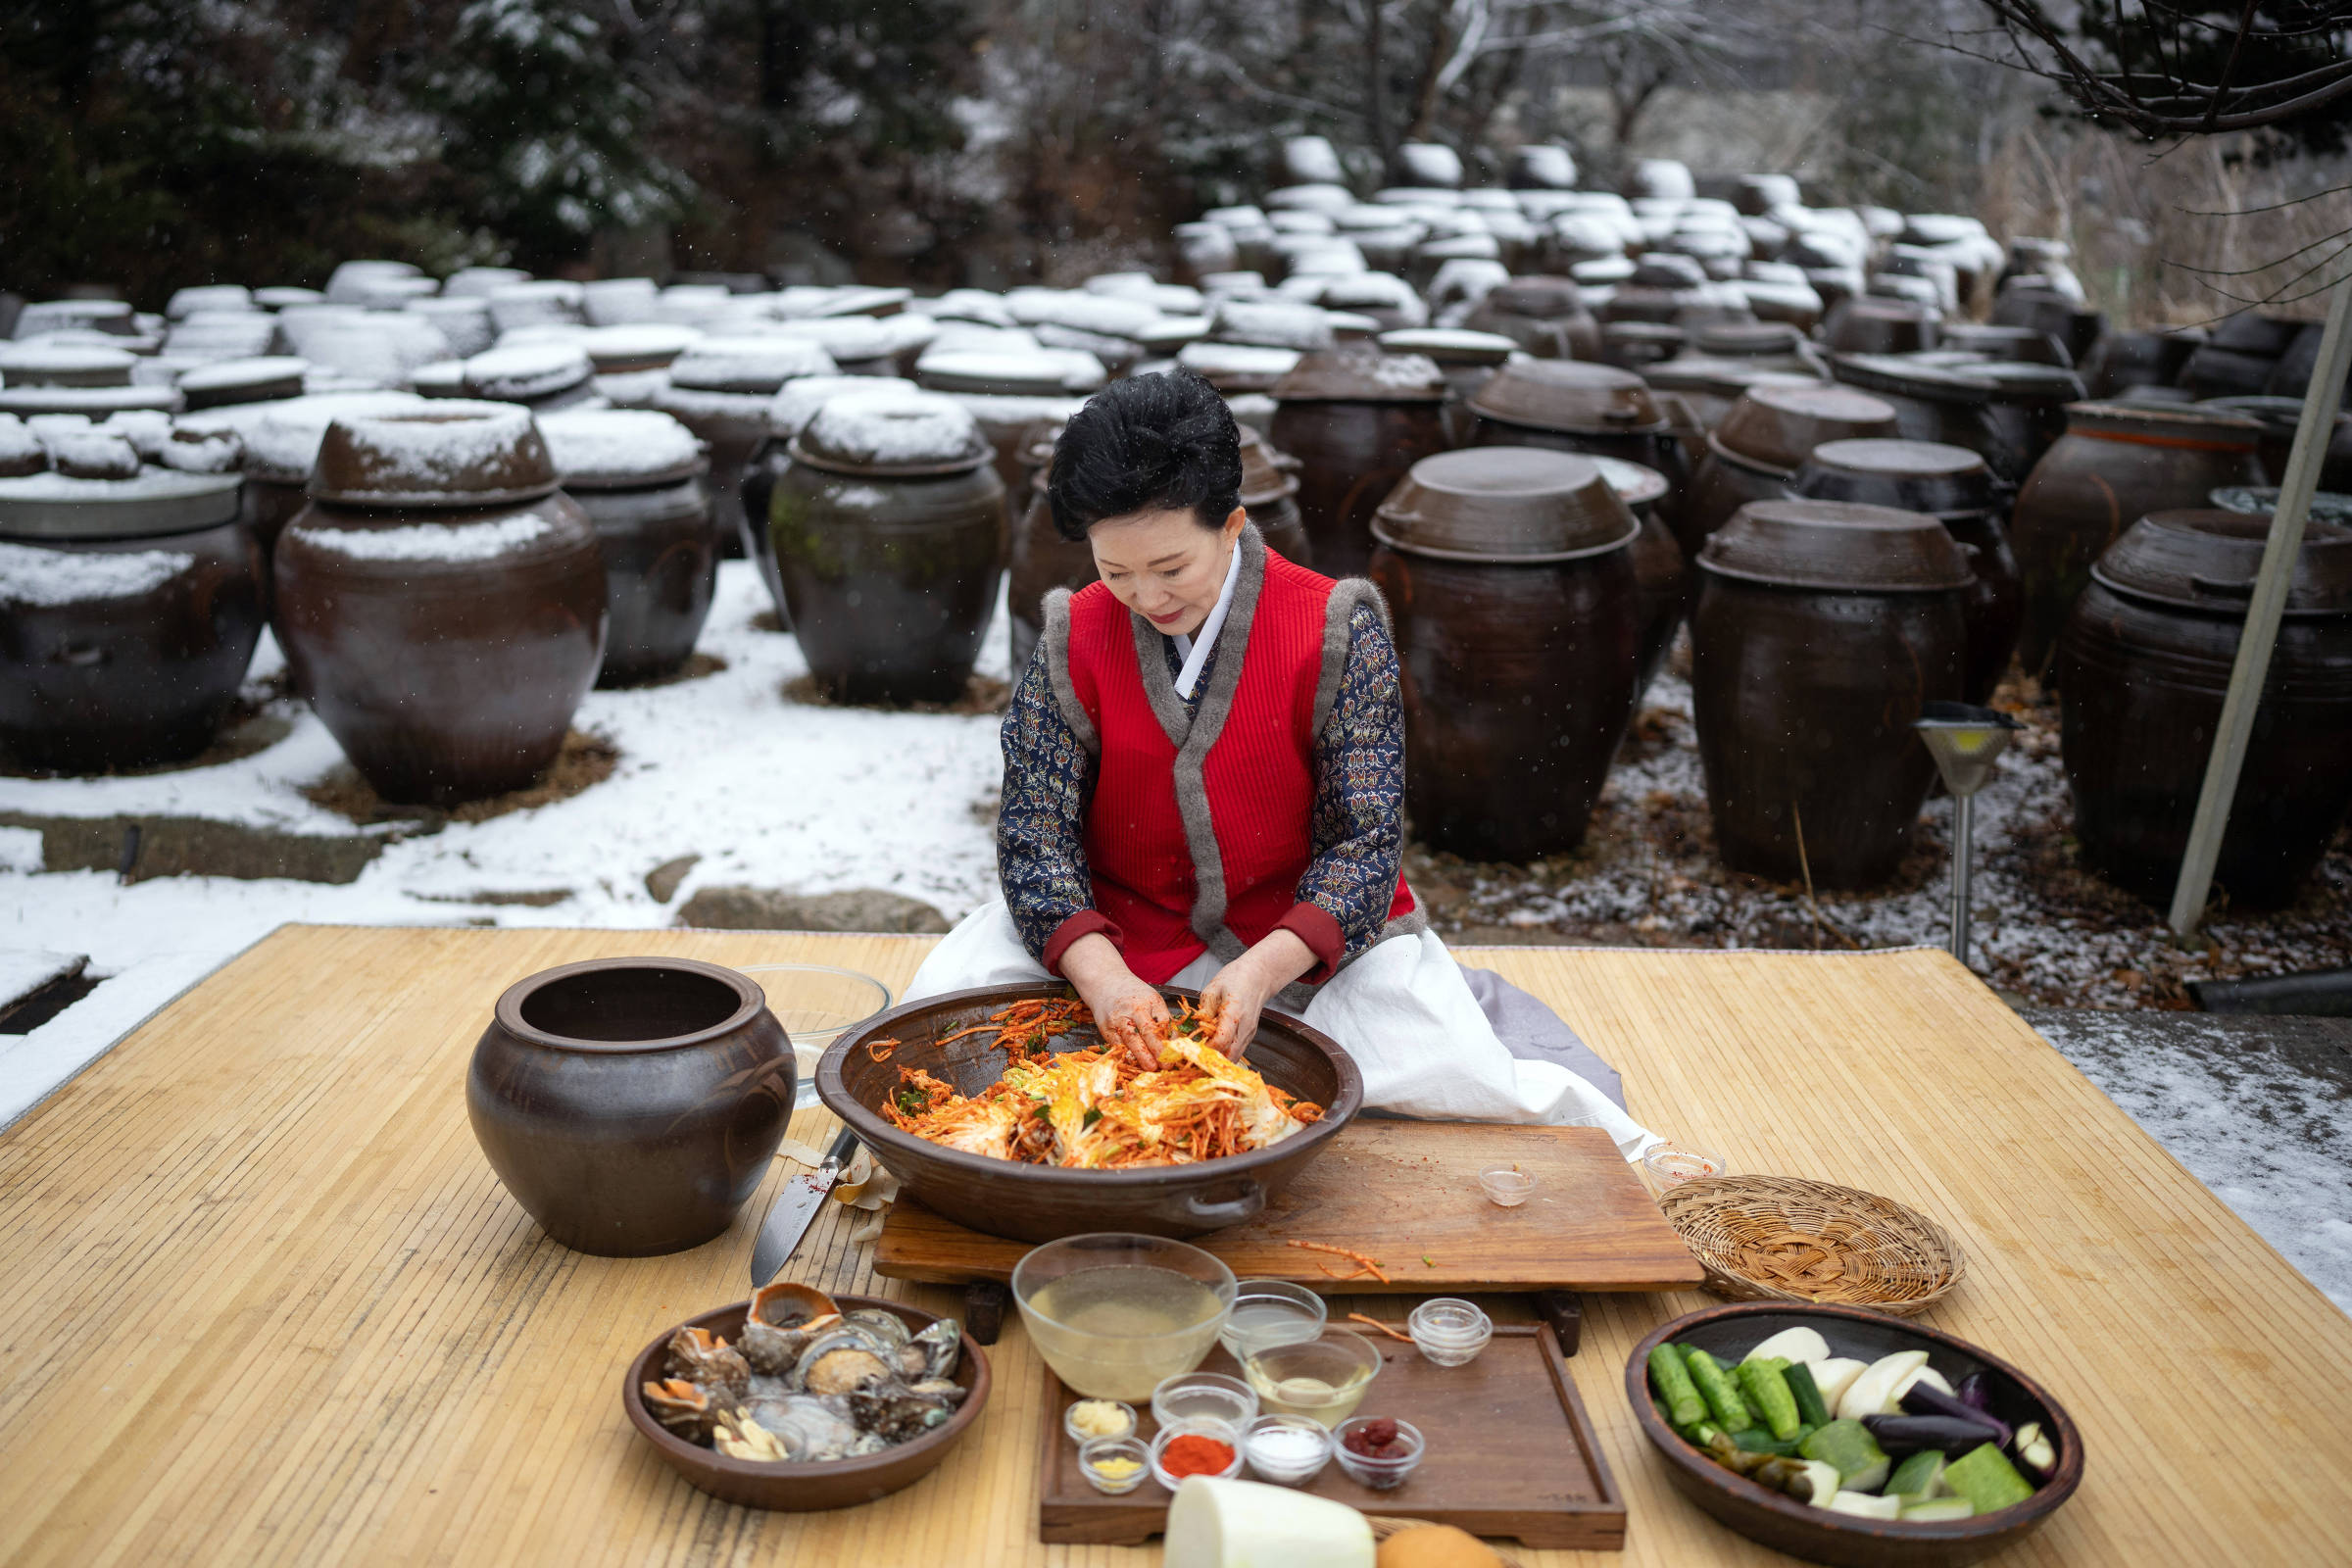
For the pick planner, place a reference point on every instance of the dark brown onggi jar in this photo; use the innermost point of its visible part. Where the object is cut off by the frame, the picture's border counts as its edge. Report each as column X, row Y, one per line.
column 639, row 477
column 1594, row 410
column 1006, row 393
column 1662, row 578
column 1865, row 325
column 1545, row 316
column 2117, row 463
column 129, row 613
column 889, row 528
column 1762, row 440
column 1510, row 572
column 631, row 1105
column 281, row 447
column 2144, row 663
column 1821, row 629
column 722, row 389
column 1356, row 421
column 440, row 602
column 1948, row 405
column 1956, row 487
column 1044, row 560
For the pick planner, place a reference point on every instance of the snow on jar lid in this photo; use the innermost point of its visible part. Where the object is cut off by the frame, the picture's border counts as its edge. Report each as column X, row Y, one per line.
column 849, row 339
column 893, row 432
column 620, row 449
column 1272, row 323
column 1037, row 374
column 21, row 451
column 636, row 346
column 260, row 380
column 94, row 402
column 187, row 302
column 1449, row 345
column 526, row 371
column 754, row 363
column 155, row 500
column 451, row 453
column 796, row 402
column 46, row 364
column 283, row 446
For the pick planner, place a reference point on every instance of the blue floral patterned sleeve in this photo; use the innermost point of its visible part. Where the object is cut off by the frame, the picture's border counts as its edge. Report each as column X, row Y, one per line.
column 1358, row 827
column 1040, row 829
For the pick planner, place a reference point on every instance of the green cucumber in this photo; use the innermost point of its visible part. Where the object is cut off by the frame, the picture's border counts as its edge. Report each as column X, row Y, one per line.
column 1767, row 1391
column 1699, row 1434
column 1807, row 1393
column 1672, row 1380
column 1861, row 1463
column 1919, row 1477
column 1984, row 1476
column 1756, row 1439
column 1715, row 1387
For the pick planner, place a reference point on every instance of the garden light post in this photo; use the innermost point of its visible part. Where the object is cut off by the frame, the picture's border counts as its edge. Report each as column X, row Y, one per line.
column 1965, row 741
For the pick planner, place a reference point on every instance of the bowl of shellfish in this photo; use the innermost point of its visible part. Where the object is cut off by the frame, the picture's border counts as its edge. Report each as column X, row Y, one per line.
column 799, row 1401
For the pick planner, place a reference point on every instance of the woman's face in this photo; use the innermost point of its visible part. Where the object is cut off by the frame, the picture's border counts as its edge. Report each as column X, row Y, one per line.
column 1164, row 566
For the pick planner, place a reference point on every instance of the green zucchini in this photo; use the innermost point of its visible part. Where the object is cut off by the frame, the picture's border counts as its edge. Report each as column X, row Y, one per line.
column 1810, row 1408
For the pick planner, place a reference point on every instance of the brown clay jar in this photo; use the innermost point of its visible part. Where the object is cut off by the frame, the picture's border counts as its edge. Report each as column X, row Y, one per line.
column 1467, row 359
column 888, row 523
column 1357, row 421
column 1594, row 409
column 1821, row 630
column 1952, row 485
column 1762, row 438
column 1518, row 623
column 1662, row 578
column 2144, row 663
column 440, row 602
column 129, row 613
column 1545, row 316
column 2116, row 463
column 631, row 1105
column 640, row 477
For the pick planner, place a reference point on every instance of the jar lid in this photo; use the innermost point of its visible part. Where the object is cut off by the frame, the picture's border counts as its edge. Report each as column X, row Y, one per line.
column 875, row 300
column 848, row 338
column 281, row 447
column 1747, row 339
column 2262, row 500
column 1905, row 376
column 1361, row 374
column 2022, row 381
column 2164, row 424
column 1238, row 367
column 1570, row 395
column 620, row 449
column 524, row 372
column 1635, row 484
column 754, row 363
column 40, row 363
column 1725, row 379
column 1544, row 298
column 1168, row 335
column 159, row 501
column 2208, row 560
column 1272, row 325
column 1839, row 545
column 1506, row 504
column 449, row 452
column 1778, row 425
column 1449, row 345
column 1267, row 476
column 1003, row 374
column 909, row 434
column 628, row 346
column 93, row 402
column 797, row 401
column 2026, row 344
column 1942, row 481
column 225, row 382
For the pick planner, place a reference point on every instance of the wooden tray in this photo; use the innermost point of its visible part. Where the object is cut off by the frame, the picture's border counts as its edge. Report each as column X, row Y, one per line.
column 1510, row 1453
column 1402, row 1191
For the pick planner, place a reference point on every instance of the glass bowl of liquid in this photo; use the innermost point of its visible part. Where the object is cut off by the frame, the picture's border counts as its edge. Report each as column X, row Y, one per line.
column 1115, row 1316
column 1323, row 1379
column 1271, row 1312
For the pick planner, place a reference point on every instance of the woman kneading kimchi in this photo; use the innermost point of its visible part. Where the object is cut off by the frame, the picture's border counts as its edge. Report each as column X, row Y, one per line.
column 1203, row 787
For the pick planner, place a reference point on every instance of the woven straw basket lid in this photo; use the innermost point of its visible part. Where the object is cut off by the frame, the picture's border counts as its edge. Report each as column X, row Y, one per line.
column 1383, row 1526
column 1785, row 1239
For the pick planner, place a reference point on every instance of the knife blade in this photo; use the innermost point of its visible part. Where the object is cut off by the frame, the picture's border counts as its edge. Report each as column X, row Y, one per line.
column 794, row 1208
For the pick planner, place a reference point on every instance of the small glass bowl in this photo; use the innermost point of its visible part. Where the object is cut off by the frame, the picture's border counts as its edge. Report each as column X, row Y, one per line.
column 1380, row 1475
column 1672, row 1164
column 1096, row 1450
column 1220, row 1430
column 1288, row 1470
column 1205, row 1396
column 1323, row 1379
column 1271, row 1312
column 1449, row 1331
column 1504, row 1186
column 1081, row 1439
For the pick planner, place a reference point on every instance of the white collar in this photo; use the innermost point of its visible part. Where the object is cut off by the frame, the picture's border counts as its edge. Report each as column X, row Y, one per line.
column 1194, row 650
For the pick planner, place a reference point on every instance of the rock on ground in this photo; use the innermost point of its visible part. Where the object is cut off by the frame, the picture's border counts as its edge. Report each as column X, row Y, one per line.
column 769, row 909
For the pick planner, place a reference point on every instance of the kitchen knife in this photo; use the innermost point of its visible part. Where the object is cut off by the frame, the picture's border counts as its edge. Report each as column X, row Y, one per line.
column 795, row 1207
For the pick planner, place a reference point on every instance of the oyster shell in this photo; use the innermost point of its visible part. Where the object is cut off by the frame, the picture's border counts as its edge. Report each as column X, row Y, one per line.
column 887, row 1326
column 701, row 1356
column 839, row 1362
column 931, row 1352
column 897, row 1412
column 812, row 1430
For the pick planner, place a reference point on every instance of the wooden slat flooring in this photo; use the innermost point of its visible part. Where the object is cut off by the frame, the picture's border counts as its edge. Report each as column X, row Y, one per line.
column 262, row 1302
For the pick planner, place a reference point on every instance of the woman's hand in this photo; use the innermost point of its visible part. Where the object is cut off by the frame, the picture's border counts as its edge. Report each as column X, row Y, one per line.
column 1131, row 1015
column 1242, row 987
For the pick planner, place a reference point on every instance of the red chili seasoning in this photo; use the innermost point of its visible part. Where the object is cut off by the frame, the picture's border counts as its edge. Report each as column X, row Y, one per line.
column 1191, row 1455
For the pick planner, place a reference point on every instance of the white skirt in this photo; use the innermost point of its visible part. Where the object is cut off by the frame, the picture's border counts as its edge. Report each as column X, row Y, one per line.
column 1402, row 1010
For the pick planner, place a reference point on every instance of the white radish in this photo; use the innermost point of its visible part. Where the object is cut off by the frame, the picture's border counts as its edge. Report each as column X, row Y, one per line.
column 1824, row 1478
column 1863, row 1505
column 1833, row 1377
column 1216, row 1523
column 1873, row 1392
column 1799, row 1346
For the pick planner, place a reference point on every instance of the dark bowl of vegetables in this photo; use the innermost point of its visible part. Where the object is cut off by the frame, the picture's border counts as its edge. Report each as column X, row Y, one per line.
column 1847, row 1436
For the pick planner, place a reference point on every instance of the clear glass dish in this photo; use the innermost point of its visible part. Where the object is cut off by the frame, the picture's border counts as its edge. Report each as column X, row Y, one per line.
column 1507, row 1186
column 1323, row 1379
column 1289, row 1450
column 1672, row 1164
column 1449, row 1331
column 1271, row 1312
column 1217, row 1431
column 1380, row 1475
column 1115, row 1314
column 1212, row 1394
column 816, row 1003
column 1098, row 1449
column 1069, row 1422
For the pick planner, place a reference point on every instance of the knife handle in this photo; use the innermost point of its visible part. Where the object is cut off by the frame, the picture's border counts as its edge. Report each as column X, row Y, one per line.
column 844, row 1149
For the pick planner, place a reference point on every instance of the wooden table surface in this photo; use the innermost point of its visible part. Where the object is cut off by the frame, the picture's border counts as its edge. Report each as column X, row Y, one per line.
column 262, row 1302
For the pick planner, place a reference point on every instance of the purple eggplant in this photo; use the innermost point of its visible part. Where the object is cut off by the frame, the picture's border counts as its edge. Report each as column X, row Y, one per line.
column 1976, row 1390
column 1921, row 1401
column 1901, row 1435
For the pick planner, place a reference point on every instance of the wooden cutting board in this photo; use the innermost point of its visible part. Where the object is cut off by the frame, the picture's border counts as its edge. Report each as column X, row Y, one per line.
column 1405, row 1193
column 1510, row 1453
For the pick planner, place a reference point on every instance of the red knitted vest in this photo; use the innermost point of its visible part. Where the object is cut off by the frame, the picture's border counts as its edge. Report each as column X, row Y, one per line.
column 1253, row 789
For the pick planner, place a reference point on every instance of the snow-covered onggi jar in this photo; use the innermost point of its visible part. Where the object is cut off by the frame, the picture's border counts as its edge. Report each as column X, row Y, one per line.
column 440, row 602
column 129, row 612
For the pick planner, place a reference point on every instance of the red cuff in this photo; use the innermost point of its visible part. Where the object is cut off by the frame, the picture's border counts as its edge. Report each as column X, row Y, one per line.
column 1313, row 925
column 1085, row 923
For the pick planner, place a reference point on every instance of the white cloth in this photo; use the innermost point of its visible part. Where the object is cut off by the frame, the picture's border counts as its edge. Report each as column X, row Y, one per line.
column 1194, row 650
column 1403, row 1010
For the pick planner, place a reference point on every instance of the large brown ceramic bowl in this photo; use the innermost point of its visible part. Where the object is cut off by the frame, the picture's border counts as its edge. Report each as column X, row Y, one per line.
column 1816, row 1534
column 1045, row 1202
column 804, row 1488
column 1568, row 395
column 1521, row 504
column 1780, row 425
